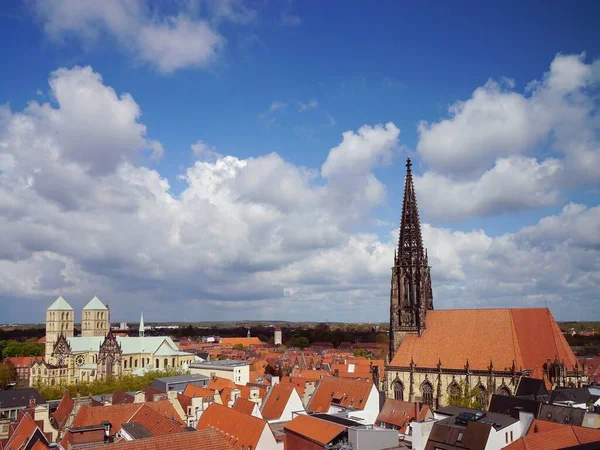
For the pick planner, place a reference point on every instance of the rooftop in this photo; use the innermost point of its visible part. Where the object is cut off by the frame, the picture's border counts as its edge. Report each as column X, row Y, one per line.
column 60, row 304
column 315, row 429
column 183, row 378
column 221, row 363
column 95, row 304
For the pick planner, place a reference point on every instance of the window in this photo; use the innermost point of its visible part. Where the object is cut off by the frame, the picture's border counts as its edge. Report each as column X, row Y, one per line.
column 511, row 436
column 398, row 388
column 454, row 391
column 482, row 396
column 157, row 363
column 427, row 393
column 506, row 437
column 166, row 363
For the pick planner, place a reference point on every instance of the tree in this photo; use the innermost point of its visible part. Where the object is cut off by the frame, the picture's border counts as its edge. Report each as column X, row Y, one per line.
column 239, row 347
column 301, row 342
column 382, row 338
column 465, row 396
column 8, row 374
column 360, row 353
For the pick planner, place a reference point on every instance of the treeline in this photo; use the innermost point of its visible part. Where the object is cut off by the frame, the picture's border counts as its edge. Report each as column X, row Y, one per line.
column 9, row 349
column 22, row 334
column 125, row 383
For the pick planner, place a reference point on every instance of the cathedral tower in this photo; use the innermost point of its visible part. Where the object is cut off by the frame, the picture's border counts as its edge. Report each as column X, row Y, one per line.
column 410, row 295
column 59, row 320
column 95, row 318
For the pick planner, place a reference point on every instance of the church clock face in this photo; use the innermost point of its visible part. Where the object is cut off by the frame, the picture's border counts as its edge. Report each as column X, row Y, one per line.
column 80, row 360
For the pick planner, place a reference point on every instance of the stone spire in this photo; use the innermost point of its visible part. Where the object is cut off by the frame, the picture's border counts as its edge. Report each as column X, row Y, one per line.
column 410, row 295
column 141, row 331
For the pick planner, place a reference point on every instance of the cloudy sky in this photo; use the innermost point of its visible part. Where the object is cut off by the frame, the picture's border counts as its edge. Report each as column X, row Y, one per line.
column 231, row 159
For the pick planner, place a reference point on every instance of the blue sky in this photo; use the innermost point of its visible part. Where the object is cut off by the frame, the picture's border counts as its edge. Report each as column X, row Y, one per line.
column 289, row 78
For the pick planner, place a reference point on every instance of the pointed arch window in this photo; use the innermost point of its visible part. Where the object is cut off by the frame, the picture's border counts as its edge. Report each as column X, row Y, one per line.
column 454, row 391
column 427, row 394
column 503, row 390
column 482, row 396
column 398, row 388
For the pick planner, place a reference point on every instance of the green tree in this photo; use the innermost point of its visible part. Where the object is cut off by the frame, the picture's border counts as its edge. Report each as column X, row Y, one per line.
column 238, row 347
column 465, row 396
column 301, row 342
column 360, row 353
column 8, row 374
column 382, row 338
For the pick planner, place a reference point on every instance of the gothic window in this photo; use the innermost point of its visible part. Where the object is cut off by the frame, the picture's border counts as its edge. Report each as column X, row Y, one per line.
column 482, row 396
column 427, row 393
column 53, row 382
column 62, row 316
column 130, row 362
column 125, row 364
column 454, row 391
column 503, row 390
column 398, row 390
column 157, row 363
column 110, row 353
column 135, row 362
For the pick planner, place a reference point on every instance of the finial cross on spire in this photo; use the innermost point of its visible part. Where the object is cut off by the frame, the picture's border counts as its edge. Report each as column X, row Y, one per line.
column 408, row 164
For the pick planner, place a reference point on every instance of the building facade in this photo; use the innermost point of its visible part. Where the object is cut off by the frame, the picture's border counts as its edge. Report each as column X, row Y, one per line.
column 99, row 353
column 435, row 354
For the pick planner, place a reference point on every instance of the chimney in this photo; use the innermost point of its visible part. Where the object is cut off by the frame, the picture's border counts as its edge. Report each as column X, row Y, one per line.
column 32, row 402
column 536, row 428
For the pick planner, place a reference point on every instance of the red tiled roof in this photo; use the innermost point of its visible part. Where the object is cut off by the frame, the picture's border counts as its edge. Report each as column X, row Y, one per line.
column 64, row 410
column 276, row 400
column 155, row 423
column 23, row 431
column 401, row 414
column 198, row 391
column 23, row 361
column 120, row 398
column 526, row 336
column 218, row 383
column 311, row 374
column 554, row 436
column 199, row 440
column 341, row 392
column 246, row 342
column 241, row 429
column 317, row 430
column 119, row 414
column 244, row 406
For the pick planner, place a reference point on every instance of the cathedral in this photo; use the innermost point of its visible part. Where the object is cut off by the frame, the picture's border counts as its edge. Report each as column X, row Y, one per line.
column 98, row 352
column 433, row 353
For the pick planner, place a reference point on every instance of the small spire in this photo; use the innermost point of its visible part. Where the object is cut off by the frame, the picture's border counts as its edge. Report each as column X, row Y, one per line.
column 141, row 331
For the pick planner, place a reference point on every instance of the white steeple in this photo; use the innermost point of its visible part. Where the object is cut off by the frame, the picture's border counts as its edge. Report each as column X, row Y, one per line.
column 141, row 332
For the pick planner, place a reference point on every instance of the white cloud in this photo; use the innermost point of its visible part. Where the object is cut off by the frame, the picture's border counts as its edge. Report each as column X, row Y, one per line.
column 503, row 151
column 166, row 42
column 497, row 121
column 290, row 20
column 203, row 151
column 311, row 104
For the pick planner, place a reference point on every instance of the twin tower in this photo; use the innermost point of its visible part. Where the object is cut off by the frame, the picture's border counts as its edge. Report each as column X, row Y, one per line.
column 60, row 319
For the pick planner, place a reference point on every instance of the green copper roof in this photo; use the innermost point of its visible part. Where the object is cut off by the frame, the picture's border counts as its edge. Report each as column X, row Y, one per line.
column 95, row 304
column 60, row 304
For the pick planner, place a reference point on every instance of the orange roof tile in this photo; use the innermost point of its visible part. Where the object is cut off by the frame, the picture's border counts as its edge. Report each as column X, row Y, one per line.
column 244, row 406
column 276, row 400
column 198, row 391
column 320, row 431
column 117, row 415
column 554, row 437
column 200, row 440
column 340, row 391
column 23, row 432
column 218, row 383
column 526, row 336
column 311, row 374
column 246, row 342
column 64, row 410
column 23, row 361
column 241, row 429
column 154, row 422
column 401, row 414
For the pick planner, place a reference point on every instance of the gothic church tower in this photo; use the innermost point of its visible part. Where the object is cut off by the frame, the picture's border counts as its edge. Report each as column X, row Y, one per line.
column 59, row 320
column 95, row 319
column 410, row 296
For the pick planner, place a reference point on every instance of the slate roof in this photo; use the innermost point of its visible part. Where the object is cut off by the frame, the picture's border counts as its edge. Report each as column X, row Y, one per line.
column 320, row 431
column 20, row 398
column 192, row 440
column 562, row 414
column 504, row 404
column 60, row 304
column 241, row 429
column 276, row 400
column 526, row 336
column 576, row 395
column 95, row 304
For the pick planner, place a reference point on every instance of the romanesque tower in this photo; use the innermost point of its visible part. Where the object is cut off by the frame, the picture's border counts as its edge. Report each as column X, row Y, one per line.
column 410, row 295
column 59, row 319
column 95, row 319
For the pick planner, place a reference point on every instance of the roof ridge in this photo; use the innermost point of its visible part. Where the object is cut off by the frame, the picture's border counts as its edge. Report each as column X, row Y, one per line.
column 515, row 339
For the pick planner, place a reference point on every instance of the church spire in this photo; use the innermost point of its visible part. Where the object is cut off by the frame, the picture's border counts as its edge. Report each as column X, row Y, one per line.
column 410, row 242
column 141, row 331
column 411, row 294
